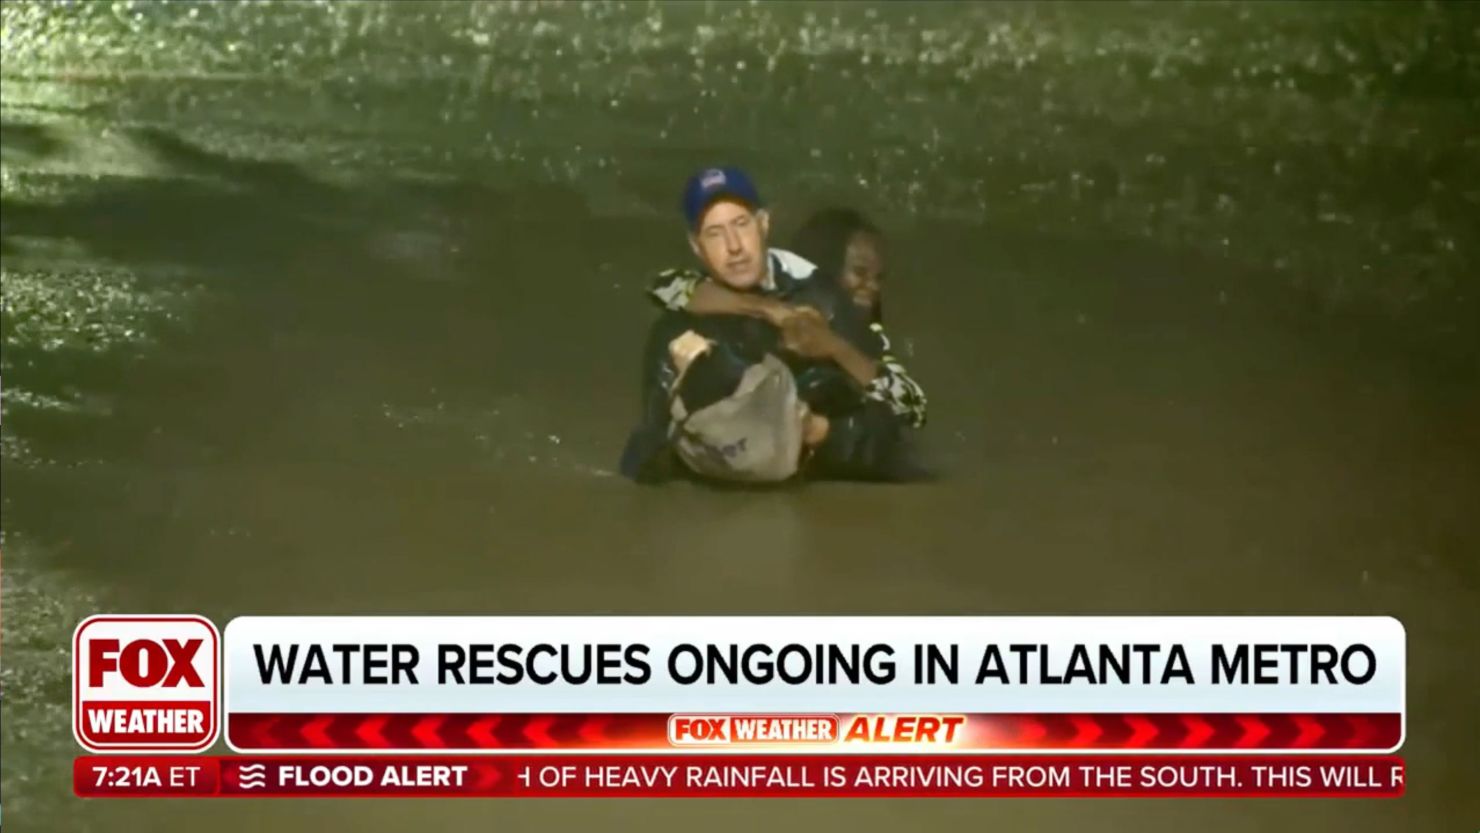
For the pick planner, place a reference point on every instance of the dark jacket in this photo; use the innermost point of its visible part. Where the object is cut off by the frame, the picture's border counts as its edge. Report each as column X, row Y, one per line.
column 865, row 439
column 894, row 386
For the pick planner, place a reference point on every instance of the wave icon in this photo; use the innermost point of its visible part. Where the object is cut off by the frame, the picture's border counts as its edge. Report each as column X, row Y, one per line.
column 252, row 776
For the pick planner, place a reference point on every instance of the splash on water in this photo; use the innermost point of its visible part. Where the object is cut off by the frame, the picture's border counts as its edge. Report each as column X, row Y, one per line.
column 1198, row 126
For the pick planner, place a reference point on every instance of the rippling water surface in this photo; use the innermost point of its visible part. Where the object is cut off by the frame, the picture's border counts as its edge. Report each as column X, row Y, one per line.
column 336, row 307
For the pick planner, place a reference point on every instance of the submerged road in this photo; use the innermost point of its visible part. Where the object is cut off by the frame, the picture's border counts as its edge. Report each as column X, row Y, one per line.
column 337, row 309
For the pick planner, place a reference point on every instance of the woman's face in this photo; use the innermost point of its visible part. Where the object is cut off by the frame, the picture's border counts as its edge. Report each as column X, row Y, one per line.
column 863, row 270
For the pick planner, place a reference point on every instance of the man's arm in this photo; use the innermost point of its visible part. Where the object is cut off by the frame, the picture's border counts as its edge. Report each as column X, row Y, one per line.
column 883, row 380
column 863, row 369
column 689, row 291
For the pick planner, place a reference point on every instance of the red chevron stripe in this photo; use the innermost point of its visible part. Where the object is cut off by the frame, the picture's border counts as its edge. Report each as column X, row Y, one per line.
column 1031, row 731
column 1311, row 731
column 262, row 734
column 1281, row 730
column 481, row 732
column 1255, row 731
column 1170, row 730
column 425, row 732
column 1142, row 731
column 593, row 729
column 538, row 731
column 1227, row 731
column 1086, row 730
column 1115, row 730
column 314, row 731
column 1058, row 729
column 1198, row 732
column 369, row 732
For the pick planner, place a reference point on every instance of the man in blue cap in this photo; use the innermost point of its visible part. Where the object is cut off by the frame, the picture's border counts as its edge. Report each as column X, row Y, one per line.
column 750, row 316
column 781, row 294
column 728, row 231
column 728, row 228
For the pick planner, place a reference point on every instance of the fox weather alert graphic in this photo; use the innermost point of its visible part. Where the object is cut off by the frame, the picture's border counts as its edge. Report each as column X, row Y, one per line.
column 146, row 683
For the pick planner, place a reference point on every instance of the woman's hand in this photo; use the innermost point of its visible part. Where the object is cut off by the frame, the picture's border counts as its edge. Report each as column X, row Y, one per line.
column 810, row 337
column 806, row 334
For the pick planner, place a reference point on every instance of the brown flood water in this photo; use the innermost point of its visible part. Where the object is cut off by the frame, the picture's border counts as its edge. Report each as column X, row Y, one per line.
column 1109, row 454
column 336, row 308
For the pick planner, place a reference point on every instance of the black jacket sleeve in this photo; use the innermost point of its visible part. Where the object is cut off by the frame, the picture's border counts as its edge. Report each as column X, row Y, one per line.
column 894, row 387
column 867, row 437
column 867, row 443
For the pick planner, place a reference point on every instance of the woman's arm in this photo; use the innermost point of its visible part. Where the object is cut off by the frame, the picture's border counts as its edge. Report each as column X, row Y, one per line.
column 882, row 379
column 690, row 291
column 894, row 386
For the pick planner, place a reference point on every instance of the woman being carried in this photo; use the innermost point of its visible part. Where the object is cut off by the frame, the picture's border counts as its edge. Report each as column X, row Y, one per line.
column 843, row 254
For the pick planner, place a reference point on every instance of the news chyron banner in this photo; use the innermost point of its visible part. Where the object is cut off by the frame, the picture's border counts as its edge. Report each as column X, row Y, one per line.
column 621, row 706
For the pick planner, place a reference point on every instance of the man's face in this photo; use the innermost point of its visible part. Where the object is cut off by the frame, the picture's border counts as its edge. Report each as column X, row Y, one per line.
column 731, row 240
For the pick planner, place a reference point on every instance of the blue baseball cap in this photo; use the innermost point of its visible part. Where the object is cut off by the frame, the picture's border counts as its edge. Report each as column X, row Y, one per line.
column 712, row 184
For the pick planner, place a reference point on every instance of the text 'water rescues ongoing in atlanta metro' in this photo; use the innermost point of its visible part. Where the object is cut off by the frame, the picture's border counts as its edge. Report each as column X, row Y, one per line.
column 727, row 666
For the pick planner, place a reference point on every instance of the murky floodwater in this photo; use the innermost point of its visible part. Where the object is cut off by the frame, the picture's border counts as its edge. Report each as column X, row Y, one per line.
column 337, row 307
